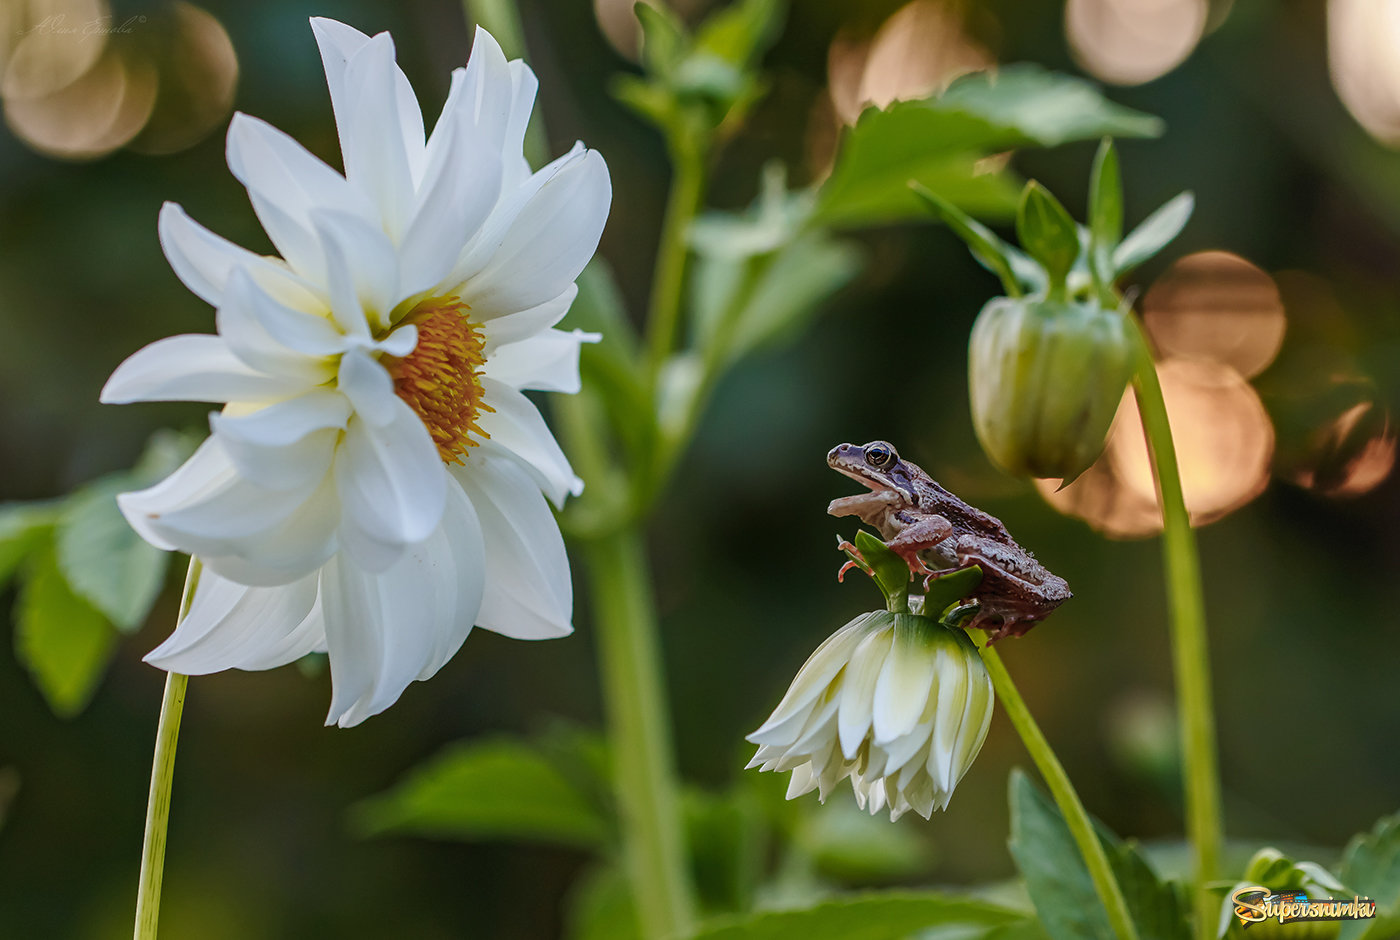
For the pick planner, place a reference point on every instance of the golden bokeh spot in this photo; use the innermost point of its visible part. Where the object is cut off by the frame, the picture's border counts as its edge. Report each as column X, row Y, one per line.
column 1216, row 305
column 1224, row 442
column 441, row 379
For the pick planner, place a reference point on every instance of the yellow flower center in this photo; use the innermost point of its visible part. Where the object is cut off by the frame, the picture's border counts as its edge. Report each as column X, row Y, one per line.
column 441, row 378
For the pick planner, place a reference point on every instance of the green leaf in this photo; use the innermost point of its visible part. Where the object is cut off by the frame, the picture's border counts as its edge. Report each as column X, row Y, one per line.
column 663, row 39
column 740, row 32
column 850, row 846
column 104, row 560
column 941, row 143
column 23, row 527
column 60, row 638
column 1371, row 868
column 482, row 790
column 1045, row 108
column 1047, row 232
column 599, row 907
column 1059, row 883
column 989, row 250
column 1153, row 234
column 873, row 916
column 913, row 141
column 1105, row 211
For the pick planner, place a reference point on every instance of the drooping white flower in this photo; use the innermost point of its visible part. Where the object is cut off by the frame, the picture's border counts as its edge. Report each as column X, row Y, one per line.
column 897, row 702
column 375, row 482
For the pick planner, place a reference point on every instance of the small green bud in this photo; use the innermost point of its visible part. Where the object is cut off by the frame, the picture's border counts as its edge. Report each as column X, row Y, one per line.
column 1277, row 873
column 1045, row 379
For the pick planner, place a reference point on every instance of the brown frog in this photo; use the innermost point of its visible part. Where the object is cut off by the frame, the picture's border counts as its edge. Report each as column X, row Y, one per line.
column 934, row 532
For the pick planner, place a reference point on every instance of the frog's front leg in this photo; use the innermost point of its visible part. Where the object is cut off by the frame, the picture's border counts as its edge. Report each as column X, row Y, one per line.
column 870, row 507
column 917, row 537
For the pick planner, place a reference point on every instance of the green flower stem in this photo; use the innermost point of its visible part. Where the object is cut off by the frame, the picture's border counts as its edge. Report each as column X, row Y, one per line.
column 172, row 706
column 687, row 191
column 1190, row 651
column 624, row 615
column 1075, row 816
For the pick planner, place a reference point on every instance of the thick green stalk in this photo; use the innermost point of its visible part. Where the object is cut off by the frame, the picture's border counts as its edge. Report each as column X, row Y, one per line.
column 1075, row 816
column 1190, row 652
column 668, row 284
column 624, row 616
column 172, row 706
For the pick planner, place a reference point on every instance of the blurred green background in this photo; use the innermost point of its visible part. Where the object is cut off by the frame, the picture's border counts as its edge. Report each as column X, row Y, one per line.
column 1300, row 581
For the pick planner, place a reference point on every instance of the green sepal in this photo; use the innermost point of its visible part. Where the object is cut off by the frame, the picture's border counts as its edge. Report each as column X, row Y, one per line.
column 888, row 570
column 945, row 591
column 1105, row 213
column 1155, row 232
column 993, row 253
column 1048, row 232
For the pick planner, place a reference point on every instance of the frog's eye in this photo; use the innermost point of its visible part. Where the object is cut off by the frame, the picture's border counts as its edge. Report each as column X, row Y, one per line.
column 879, row 455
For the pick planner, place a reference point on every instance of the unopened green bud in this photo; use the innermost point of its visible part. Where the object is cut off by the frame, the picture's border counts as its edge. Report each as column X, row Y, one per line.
column 1272, row 877
column 1046, row 378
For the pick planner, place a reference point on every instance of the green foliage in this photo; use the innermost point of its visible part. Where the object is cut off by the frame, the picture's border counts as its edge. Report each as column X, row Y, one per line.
column 23, row 528
column 493, row 789
column 1059, row 883
column 104, row 560
column 1105, row 212
column 940, row 143
column 850, row 846
column 59, row 637
column 873, row 916
column 703, row 84
column 1371, row 868
column 1155, row 232
column 1048, row 233
column 83, row 572
column 599, row 906
column 990, row 251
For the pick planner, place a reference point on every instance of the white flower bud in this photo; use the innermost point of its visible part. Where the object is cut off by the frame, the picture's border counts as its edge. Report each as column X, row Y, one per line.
column 897, row 702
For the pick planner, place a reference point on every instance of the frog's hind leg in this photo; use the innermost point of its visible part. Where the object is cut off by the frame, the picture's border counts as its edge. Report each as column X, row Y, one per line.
column 918, row 537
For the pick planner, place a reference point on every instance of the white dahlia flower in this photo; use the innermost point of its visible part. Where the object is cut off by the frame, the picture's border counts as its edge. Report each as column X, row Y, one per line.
column 375, row 482
column 897, row 702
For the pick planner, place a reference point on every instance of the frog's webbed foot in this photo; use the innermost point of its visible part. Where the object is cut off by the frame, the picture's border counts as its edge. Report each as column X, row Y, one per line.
column 857, row 561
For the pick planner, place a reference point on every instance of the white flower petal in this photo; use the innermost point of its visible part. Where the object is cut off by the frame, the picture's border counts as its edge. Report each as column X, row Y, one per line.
column 384, row 630
column 390, row 478
column 285, row 182
column 516, row 425
column 287, row 444
column 363, row 269
column 812, row 679
column 338, row 44
column 461, row 184
column 524, row 87
column 546, row 362
column 368, row 386
column 549, row 242
column 488, row 89
column 204, row 261
column 232, row 626
column 375, row 161
column 193, row 367
column 529, row 595
column 904, row 685
column 858, row 690
column 513, row 327
column 241, row 328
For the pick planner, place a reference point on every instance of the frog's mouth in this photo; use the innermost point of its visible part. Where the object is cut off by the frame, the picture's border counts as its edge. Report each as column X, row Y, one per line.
column 872, row 482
